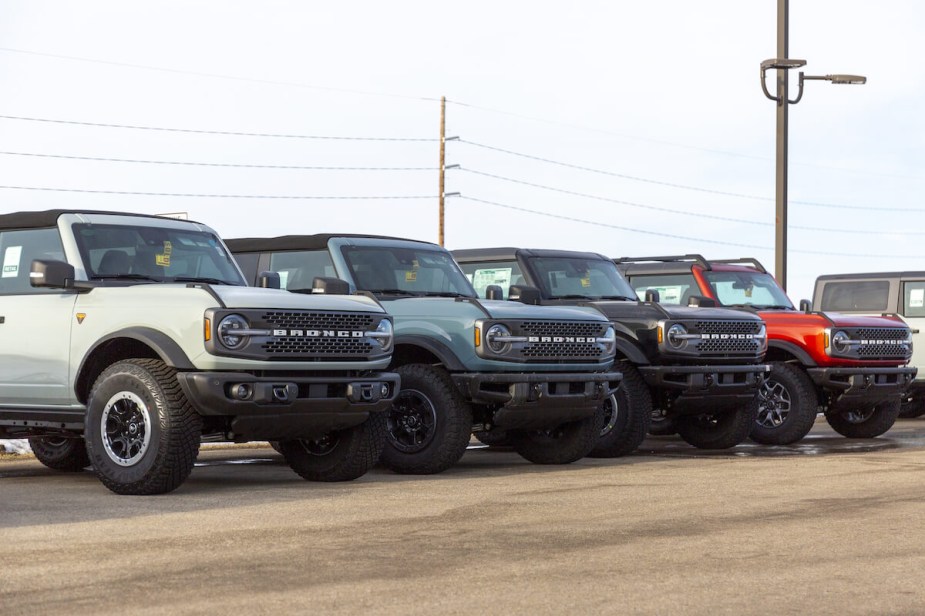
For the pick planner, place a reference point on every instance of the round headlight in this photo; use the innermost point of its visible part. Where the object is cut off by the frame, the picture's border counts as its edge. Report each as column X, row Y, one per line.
column 227, row 328
column 491, row 338
column 840, row 341
column 674, row 335
column 384, row 334
column 609, row 340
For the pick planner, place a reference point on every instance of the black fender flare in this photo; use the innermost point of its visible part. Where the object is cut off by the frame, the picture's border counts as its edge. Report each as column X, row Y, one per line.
column 444, row 353
column 801, row 355
column 162, row 344
column 632, row 352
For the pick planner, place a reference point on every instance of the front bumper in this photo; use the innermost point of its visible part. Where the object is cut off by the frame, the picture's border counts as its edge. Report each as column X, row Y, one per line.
column 694, row 389
column 538, row 400
column 281, row 408
column 850, row 387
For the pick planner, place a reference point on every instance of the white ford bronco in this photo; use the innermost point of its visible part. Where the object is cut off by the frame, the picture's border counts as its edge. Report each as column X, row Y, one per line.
column 127, row 339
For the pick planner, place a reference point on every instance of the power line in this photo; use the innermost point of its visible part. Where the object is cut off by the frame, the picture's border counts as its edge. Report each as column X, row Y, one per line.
column 674, row 236
column 215, row 132
column 685, row 146
column 678, row 212
column 201, row 164
column 217, row 75
column 216, row 196
column 672, row 184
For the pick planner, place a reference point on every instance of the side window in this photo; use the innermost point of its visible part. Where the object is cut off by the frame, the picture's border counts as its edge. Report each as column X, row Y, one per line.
column 914, row 298
column 856, row 296
column 675, row 289
column 501, row 273
column 17, row 251
column 298, row 269
column 248, row 265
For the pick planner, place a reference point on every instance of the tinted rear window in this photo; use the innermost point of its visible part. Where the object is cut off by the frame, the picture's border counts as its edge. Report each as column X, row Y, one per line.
column 857, row 296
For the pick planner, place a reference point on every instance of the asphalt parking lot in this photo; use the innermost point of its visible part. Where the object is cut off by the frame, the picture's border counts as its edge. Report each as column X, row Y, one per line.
column 830, row 525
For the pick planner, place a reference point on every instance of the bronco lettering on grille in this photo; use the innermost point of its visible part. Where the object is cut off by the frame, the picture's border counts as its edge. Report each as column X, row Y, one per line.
column 562, row 339
column 727, row 336
column 319, row 333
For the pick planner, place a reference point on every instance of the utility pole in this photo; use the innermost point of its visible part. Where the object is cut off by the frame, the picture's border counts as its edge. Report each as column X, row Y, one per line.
column 440, row 187
column 780, row 224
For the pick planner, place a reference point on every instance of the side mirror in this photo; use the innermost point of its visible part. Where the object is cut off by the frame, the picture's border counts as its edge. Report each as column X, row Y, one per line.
column 330, row 286
column 51, row 274
column 269, row 280
column 494, row 291
column 806, row 305
column 652, row 296
column 699, row 301
column 524, row 294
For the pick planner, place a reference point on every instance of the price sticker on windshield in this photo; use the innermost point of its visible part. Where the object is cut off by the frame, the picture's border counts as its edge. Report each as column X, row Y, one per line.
column 163, row 259
column 411, row 276
column 586, row 282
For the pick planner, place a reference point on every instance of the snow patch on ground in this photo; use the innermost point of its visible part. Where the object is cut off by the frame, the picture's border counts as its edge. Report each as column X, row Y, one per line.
column 16, row 446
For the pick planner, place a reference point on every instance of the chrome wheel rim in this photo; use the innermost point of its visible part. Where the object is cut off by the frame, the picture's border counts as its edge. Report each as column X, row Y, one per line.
column 125, row 428
column 412, row 422
column 774, row 404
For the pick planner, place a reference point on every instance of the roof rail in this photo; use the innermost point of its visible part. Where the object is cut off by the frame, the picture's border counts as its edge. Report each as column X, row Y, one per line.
column 745, row 260
column 698, row 259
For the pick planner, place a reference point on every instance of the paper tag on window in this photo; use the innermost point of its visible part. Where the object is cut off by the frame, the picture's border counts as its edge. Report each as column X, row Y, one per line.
column 586, row 282
column 11, row 261
column 411, row 276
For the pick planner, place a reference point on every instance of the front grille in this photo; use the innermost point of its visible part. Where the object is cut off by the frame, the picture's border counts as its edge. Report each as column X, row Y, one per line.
column 878, row 344
column 733, row 344
column 555, row 342
column 319, row 320
column 326, row 344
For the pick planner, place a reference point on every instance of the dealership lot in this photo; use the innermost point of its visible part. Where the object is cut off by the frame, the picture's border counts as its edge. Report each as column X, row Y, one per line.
column 830, row 525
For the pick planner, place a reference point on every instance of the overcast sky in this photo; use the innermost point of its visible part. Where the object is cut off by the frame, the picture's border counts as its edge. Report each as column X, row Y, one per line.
column 661, row 98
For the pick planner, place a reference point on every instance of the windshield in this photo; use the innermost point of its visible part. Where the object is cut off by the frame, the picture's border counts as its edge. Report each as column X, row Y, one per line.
column 154, row 253
column 570, row 277
column 406, row 271
column 747, row 289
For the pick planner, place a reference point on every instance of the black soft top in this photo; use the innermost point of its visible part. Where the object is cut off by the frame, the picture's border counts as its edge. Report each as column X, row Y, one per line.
column 49, row 218
column 319, row 241
column 498, row 254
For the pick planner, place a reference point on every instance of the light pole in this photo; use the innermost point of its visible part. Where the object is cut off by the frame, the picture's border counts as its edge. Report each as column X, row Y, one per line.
column 783, row 64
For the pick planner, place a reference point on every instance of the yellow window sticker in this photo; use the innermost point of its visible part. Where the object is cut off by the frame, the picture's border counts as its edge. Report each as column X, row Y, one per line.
column 163, row 259
column 411, row 276
column 586, row 282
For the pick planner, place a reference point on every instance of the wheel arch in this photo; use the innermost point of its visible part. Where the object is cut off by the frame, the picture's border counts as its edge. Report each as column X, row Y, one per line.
column 627, row 350
column 422, row 350
column 133, row 342
column 781, row 350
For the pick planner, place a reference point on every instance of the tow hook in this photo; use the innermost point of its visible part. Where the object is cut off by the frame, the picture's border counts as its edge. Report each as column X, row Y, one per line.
column 281, row 393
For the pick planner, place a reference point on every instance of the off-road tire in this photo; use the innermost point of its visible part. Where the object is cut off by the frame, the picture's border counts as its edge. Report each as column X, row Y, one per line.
column 174, row 428
column 627, row 420
column 448, row 438
column 662, row 425
column 61, row 454
column 788, row 390
column 339, row 456
column 561, row 445
column 493, row 438
column 912, row 409
column 877, row 419
column 720, row 430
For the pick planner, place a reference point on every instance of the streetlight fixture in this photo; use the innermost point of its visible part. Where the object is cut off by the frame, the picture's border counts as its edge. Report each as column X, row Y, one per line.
column 782, row 64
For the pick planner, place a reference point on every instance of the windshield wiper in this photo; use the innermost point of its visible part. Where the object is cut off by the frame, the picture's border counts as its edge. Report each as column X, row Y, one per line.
column 392, row 292
column 204, row 279
column 574, row 296
column 125, row 277
column 445, row 294
column 619, row 297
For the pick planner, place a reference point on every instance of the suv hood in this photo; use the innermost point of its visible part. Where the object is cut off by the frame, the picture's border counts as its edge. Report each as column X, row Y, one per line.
column 253, row 297
column 496, row 309
column 853, row 320
column 616, row 309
